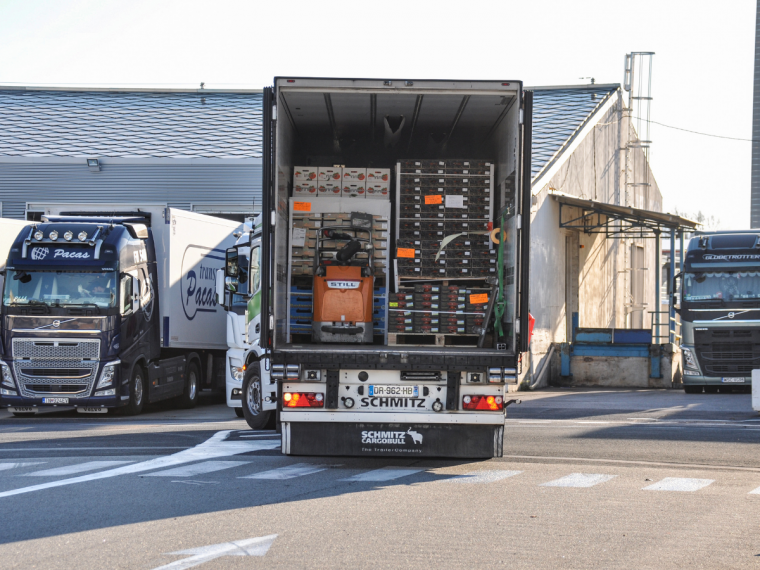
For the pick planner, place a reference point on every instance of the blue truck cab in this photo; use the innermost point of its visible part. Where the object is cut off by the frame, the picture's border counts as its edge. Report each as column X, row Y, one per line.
column 83, row 323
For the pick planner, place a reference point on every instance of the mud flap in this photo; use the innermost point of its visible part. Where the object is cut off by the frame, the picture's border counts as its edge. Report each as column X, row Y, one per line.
column 393, row 440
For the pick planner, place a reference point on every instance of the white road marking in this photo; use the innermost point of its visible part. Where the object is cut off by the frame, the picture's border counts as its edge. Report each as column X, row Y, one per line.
column 215, row 446
column 260, row 436
column 6, row 466
column 384, row 474
column 197, row 469
column 289, row 471
column 483, row 476
column 579, row 480
column 191, row 482
column 78, row 468
column 19, row 449
column 755, row 492
column 250, row 547
column 679, row 484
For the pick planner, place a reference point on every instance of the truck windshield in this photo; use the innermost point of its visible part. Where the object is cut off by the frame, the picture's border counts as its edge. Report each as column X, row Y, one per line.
column 728, row 286
column 60, row 288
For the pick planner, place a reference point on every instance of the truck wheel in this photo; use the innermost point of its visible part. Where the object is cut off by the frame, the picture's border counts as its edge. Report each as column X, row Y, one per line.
column 239, row 412
column 189, row 397
column 137, row 392
column 252, row 398
column 692, row 389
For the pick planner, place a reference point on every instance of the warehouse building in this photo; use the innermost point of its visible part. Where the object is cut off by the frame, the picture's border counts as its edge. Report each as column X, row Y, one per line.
column 197, row 150
column 201, row 150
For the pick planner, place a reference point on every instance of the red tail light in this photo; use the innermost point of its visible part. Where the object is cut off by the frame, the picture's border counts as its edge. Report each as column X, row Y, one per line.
column 489, row 403
column 303, row 400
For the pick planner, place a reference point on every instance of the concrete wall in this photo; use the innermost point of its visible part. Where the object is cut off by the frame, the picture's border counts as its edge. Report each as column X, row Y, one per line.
column 619, row 372
column 595, row 169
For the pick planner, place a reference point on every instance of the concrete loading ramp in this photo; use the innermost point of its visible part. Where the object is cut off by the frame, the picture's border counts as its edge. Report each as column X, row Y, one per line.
column 618, row 357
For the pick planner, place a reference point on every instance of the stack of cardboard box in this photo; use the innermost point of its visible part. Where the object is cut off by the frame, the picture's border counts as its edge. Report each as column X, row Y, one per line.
column 337, row 181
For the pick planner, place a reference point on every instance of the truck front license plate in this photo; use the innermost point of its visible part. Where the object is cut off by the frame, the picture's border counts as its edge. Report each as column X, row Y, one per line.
column 55, row 400
column 732, row 380
column 397, row 391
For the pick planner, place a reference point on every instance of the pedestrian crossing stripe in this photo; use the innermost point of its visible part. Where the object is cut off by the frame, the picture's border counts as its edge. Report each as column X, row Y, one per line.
column 288, row 472
column 19, row 465
column 483, row 476
column 579, row 480
column 197, row 469
column 682, row 484
column 384, row 474
column 76, row 468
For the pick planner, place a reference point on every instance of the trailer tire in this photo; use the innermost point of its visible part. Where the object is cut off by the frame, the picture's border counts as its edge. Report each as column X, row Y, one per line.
column 255, row 417
column 239, row 412
column 189, row 397
column 137, row 392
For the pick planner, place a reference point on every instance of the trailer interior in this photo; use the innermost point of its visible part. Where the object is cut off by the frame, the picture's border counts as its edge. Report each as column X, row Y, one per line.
column 383, row 124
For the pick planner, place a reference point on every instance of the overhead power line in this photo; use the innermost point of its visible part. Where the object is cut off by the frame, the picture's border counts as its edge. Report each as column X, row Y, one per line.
column 697, row 132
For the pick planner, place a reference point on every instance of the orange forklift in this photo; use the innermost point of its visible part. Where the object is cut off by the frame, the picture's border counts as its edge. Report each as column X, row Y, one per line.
column 344, row 282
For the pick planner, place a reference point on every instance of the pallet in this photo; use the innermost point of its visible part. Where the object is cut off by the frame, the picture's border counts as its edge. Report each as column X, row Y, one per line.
column 434, row 339
column 445, row 279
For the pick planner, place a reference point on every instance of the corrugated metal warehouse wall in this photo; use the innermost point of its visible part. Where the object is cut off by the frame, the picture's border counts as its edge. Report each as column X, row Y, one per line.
column 180, row 185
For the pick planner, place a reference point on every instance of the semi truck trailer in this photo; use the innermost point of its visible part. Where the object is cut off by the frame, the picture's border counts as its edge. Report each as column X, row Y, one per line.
column 385, row 298
column 113, row 310
column 720, row 310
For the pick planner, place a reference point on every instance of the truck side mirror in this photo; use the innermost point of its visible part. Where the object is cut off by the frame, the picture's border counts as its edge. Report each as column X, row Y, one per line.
column 231, row 262
column 231, row 284
column 674, row 289
column 220, row 286
column 243, row 275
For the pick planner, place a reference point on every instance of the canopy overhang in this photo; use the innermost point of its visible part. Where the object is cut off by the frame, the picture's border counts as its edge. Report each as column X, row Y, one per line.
column 614, row 221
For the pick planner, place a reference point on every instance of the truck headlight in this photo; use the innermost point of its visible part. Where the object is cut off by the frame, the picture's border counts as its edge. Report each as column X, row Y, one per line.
column 689, row 360
column 237, row 370
column 108, row 375
column 7, row 376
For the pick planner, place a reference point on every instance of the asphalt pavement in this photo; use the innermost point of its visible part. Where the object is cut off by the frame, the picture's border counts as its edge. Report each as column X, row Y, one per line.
column 589, row 479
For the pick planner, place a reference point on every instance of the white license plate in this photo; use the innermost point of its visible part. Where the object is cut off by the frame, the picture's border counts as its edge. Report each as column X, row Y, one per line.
column 92, row 410
column 396, row 391
column 55, row 400
column 732, row 380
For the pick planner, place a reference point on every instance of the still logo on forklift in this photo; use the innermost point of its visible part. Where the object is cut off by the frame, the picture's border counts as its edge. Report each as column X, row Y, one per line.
column 343, row 284
column 392, row 437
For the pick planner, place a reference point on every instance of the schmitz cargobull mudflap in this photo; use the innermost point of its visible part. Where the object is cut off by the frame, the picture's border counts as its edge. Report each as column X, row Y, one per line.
column 393, row 439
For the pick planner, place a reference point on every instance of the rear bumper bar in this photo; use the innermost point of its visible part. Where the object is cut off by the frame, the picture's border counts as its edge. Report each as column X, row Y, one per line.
column 393, row 439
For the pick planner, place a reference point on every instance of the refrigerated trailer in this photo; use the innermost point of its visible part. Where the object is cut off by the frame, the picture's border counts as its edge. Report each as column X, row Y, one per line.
column 105, row 309
column 448, row 236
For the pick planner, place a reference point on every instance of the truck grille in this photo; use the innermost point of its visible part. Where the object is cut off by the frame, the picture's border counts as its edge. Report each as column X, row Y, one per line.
column 726, row 352
column 44, row 367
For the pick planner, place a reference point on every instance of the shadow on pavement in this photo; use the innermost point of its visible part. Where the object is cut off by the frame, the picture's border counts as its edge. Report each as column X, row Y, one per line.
column 137, row 498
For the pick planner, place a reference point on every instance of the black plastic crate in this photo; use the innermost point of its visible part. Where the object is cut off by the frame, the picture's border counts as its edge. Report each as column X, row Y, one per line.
column 413, row 234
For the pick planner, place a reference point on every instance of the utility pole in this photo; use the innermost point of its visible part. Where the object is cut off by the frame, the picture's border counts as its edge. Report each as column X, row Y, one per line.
column 755, row 183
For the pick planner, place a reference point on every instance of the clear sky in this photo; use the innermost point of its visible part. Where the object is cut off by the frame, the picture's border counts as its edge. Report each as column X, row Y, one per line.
column 702, row 75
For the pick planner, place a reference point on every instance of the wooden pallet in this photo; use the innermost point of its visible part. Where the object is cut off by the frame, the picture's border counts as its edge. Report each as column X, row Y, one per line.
column 432, row 339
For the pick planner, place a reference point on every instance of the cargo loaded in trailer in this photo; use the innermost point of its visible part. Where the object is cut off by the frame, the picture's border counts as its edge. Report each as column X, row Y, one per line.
column 113, row 310
column 391, row 303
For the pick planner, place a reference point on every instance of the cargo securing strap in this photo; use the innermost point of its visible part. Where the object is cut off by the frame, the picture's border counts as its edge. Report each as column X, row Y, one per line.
column 501, row 303
column 448, row 239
